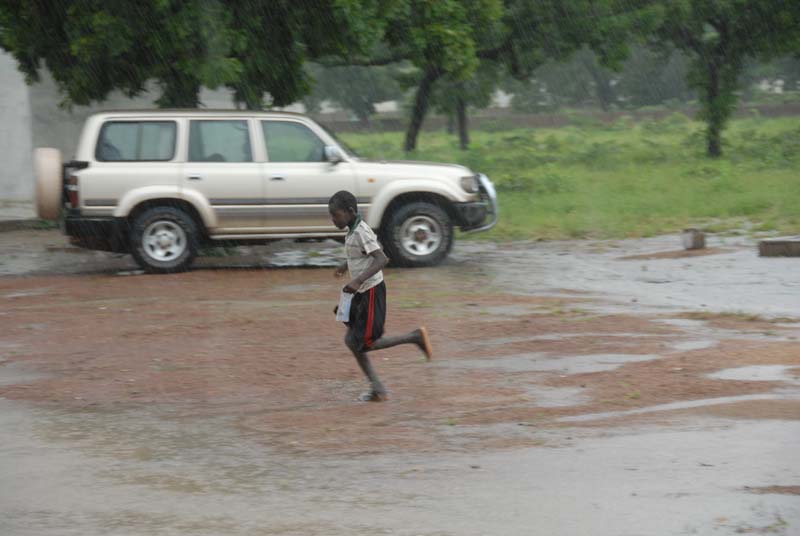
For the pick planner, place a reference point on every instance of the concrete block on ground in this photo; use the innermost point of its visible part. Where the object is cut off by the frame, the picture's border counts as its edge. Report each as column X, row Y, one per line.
column 786, row 246
column 693, row 239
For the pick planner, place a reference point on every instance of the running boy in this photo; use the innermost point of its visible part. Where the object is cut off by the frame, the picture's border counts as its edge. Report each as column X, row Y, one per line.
column 365, row 261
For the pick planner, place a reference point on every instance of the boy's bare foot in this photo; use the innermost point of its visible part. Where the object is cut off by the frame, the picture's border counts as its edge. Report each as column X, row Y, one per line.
column 373, row 396
column 425, row 342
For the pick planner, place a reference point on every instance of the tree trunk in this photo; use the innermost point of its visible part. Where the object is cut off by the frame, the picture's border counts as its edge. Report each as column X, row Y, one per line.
column 714, row 113
column 421, row 101
column 250, row 98
column 463, row 128
column 363, row 111
column 603, row 89
column 179, row 91
column 451, row 123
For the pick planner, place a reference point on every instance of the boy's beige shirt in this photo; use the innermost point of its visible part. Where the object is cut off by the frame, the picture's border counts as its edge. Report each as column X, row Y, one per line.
column 360, row 242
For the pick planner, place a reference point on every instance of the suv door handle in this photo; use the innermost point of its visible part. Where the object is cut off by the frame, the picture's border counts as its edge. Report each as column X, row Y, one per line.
column 277, row 178
column 195, row 178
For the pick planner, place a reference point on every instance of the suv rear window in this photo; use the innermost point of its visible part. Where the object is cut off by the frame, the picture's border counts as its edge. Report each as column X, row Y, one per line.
column 219, row 141
column 131, row 141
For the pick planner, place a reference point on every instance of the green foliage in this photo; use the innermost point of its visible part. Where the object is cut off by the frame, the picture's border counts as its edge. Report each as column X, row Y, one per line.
column 274, row 39
column 649, row 78
column 354, row 88
column 256, row 48
column 645, row 78
column 443, row 34
column 92, row 48
column 719, row 36
column 476, row 91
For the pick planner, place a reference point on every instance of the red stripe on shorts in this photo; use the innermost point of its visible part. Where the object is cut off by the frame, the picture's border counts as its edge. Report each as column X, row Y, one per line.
column 370, row 317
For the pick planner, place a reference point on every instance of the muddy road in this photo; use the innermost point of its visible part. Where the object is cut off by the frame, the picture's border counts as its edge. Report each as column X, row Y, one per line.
column 598, row 388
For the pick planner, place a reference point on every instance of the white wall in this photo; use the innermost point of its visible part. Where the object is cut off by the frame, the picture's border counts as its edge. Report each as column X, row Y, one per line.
column 16, row 163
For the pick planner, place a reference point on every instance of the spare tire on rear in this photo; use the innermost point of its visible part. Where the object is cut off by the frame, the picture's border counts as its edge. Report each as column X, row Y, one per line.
column 47, row 167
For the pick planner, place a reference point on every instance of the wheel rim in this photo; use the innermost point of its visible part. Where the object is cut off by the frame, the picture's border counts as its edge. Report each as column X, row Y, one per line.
column 421, row 235
column 164, row 241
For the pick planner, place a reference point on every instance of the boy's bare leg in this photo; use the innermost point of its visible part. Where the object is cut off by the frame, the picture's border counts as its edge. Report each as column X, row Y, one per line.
column 377, row 391
column 418, row 337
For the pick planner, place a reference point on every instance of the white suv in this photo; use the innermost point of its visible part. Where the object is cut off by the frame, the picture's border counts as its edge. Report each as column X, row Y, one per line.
column 160, row 184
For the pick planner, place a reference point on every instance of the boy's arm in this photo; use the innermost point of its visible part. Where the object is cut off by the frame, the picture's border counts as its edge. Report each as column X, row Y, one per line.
column 378, row 260
column 341, row 269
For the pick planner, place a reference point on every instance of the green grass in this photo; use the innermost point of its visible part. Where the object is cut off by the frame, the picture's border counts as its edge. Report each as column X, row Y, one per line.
column 627, row 179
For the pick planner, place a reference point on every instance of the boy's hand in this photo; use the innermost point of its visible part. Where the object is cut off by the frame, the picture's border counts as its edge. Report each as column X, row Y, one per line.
column 352, row 287
column 340, row 270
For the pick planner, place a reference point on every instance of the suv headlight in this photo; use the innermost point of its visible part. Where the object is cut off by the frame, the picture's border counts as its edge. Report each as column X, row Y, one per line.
column 470, row 184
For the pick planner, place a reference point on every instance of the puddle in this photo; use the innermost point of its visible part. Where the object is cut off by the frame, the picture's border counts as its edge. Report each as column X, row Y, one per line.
column 512, row 310
column 687, row 346
column 14, row 373
column 758, row 373
column 47, row 252
column 558, row 397
column 739, row 281
column 37, row 292
column 555, row 337
column 681, row 322
column 319, row 258
column 540, row 362
column 672, row 406
column 138, row 474
column 131, row 272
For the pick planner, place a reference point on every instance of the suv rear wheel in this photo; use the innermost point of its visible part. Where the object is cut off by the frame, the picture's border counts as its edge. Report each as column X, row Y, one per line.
column 163, row 240
column 418, row 234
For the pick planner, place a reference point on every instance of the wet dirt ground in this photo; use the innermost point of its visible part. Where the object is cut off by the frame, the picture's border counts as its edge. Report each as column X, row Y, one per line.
column 598, row 388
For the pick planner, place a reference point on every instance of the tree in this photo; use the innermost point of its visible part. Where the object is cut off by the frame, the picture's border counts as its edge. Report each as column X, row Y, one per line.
column 575, row 82
column 649, row 78
column 519, row 35
column 92, row 48
column 355, row 88
column 452, row 98
column 440, row 38
column 255, row 48
column 719, row 36
column 275, row 38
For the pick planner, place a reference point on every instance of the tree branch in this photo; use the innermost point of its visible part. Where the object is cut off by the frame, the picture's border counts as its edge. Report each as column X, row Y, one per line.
column 365, row 62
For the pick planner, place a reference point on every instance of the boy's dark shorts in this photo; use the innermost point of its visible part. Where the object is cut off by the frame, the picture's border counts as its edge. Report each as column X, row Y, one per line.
column 367, row 316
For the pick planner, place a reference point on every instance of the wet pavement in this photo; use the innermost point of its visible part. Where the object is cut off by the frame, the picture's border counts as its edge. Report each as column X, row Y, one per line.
column 651, row 393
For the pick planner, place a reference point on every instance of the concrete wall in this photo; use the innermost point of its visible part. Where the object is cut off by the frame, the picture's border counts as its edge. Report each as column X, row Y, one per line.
column 16, row 164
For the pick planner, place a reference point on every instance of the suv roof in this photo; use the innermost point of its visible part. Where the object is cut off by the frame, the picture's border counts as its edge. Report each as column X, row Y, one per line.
column 194, row 111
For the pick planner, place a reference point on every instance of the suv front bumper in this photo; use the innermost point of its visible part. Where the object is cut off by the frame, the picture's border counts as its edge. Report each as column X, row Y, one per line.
column 480, row 215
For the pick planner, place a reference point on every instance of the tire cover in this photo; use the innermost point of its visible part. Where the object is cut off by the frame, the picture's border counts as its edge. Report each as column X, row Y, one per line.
column 49, row 185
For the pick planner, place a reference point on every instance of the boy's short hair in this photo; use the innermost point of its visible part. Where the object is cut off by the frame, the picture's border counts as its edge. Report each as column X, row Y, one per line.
column 343, row 200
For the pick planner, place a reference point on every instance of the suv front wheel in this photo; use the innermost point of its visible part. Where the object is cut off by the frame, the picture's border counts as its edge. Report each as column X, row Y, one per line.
column 163, row 240
column 418, row 234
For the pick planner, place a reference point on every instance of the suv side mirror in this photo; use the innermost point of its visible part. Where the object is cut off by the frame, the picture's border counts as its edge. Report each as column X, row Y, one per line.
column 333, row 154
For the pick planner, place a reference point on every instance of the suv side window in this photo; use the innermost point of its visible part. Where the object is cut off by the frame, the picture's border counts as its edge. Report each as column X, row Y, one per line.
column 129, row 141
column 288, row 141
column 219, row 141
